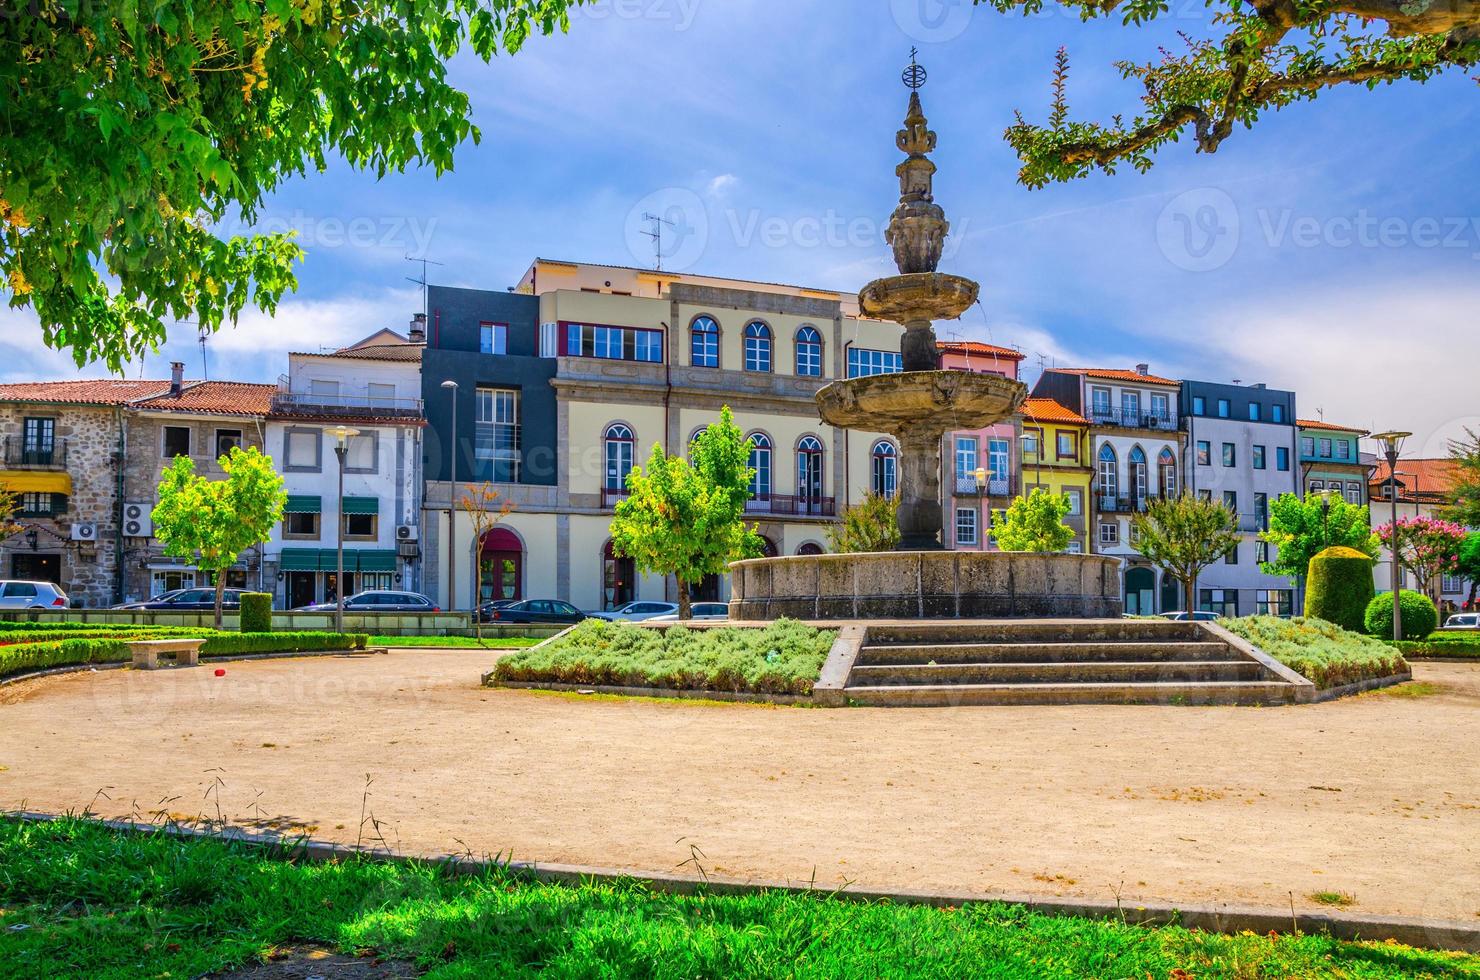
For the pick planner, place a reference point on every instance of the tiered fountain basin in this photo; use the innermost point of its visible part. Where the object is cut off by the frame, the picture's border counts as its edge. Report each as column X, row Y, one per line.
column 932, row 401
column 926, row 585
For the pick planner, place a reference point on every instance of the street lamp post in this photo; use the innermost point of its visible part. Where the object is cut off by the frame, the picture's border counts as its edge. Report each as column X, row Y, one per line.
column 342, row 435
column 1325, row 518
column 451, row 386
column 981, row 493
column 1392, row 442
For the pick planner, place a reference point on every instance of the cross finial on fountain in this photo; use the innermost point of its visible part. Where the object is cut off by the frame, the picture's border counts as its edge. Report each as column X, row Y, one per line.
column 915, row 75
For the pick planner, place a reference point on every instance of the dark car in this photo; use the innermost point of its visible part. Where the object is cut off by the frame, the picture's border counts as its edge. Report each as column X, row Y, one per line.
column 484, row 612
column 379, row 600
column 536, row 611
column 189, row 600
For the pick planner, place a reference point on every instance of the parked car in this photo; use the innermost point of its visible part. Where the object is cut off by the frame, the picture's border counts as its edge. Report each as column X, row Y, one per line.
column 1463, row 621
column 530, row 611
column 378, row 600
column 710, row 612
column 188, row 600
column 1200, row 616
column 636, row 612
column 483, row 613
column 32, row 595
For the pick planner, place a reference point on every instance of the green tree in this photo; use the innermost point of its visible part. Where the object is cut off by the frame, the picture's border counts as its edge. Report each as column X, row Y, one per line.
column 1299, row 531
column 135, row 132
column 1469, row 564
column 872, row 524
column 211, row 522
column 1035, row 523
column 686, row 518
column 1183, row 535
column 1269, row 56
column 1464, row 495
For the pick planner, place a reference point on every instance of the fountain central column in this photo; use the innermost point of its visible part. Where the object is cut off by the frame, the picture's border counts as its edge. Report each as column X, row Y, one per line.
column 920, row 512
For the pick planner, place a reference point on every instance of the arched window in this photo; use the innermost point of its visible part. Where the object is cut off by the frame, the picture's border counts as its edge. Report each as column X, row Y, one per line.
column 809, row 473
column 1136, row 461
column 704, row 342
column 809, row 353
column 760, row 462
column 1166, row 464
column 621, row 447
column 810, row 548
column 757, row 346
column 1109, row 477
column 885, row 461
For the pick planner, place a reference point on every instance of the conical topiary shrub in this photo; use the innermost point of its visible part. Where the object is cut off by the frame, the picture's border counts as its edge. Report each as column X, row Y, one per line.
column 1338, row 587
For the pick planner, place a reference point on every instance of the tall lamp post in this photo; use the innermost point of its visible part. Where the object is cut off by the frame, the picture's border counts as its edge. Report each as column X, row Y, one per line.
column 1392, row 443
column 451, row 386
column 981, row 494
column 1325, row 518
column 342, row 435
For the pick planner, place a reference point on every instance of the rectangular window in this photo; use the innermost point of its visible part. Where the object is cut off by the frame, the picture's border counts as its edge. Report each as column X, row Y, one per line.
column 1307, row 446
column 1100, row 403
column 1130, row 408
column 497, row 432
column 1354, row 493
column 965, row 525
column 1277, row 412
column 1261, row 551
column 381, row 395
column 302, row 447
column 1343, row 449
column 1230, row 500
column 1161, row 407
column 997, row 459
column 1076, row 501
column 226, row 441
column 1253, row 411
column 1204, row 453
column 1068, row 446
column 1325, row 448
column 1199, row 405
column 1030, row 445
column 176, row 441
column 32, row 504
column 865, row 363
column 1205, row 495
column 1274, row 602
column 1258, row 457
column 1232, row 557
column 549, row 340
column 1075, row 548
column 361, row 453
column 361, row 526
column 301, row 526
column 1230, row 454
column 1224, row 602
column 324, row 389
column 1110, row 533
column 966, row 459
column 1315, row 486
column 1282, row 459
column 1450, row 584
column 1224, row 408
column 1261, row 511
column 38, row 441
column 613, row 343
column 493, row 338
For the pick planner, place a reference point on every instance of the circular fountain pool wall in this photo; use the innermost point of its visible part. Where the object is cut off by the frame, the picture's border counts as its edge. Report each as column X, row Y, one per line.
column 926, row 585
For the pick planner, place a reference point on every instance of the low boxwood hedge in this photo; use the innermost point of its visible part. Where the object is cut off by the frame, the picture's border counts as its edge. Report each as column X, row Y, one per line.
column 1442, row 645
column 19, row 658
column 232, row 644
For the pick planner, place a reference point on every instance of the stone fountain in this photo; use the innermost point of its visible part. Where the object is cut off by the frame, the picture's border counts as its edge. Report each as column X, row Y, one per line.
column 918, row 407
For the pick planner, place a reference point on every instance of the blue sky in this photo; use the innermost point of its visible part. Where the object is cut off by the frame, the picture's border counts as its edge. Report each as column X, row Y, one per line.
column 1334, row 249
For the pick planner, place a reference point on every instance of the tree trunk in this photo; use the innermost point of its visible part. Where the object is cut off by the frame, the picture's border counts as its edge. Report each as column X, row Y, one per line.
column 1470, row 602
column 478, row 592
column 685, row 610
column 1189, row 594
column 220, row 594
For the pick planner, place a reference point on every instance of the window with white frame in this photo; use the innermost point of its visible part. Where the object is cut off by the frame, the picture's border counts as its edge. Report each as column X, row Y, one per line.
column 997, row 460
column 885, row 468
column 966, row 526
column 1354, row 493
column 302, row 449
column 1030, row 445
column 865, row 363
column 704, row 342
column 1274, row 602
column 1450, row 584
column 760, row 462
column 1109, row 532
column 1068, row 446
column 496, row 433
column 757, row 347
column 1076, row 500
column 621, row 451
column 809, row 352
column 361, row 453
column 493, row 338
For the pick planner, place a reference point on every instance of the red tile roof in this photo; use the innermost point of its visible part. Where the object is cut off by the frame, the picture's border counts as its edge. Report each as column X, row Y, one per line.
column 977, row 347
column 1424, row 476
column 101, row 391
column 1048, row 410
column 214, row 398
column 1115, row 374
column 1328, row 426
column 206, row 397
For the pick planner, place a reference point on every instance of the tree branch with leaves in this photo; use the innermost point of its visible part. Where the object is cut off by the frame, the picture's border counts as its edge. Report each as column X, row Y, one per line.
column 1183, row 535
column 485, row 509
column 1271, row 54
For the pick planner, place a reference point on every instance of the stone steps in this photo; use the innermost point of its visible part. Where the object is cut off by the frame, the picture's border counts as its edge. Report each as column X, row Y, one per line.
column 1058, row 652
column 946, row 695
column 1101, row 672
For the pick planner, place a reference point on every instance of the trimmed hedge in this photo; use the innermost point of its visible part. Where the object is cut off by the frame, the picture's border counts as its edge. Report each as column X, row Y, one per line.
column 1420, row 618
column 256, row 612
column 1339, row 587
column 1324, row 653
column 24, row 657
column 1442, row 645
column 232, row 644
column 784, row 657
column 57, row 653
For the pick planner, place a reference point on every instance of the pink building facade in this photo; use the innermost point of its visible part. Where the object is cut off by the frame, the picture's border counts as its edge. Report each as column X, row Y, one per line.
column 983, row 467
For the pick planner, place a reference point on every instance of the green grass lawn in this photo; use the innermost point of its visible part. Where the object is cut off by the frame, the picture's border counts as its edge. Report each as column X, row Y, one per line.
column 1327, row 655
column 79, row 901
column 784, row 657
column 455, row 642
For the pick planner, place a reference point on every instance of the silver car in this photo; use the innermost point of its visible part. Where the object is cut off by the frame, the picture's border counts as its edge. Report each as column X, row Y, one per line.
column 32, row 595
column 1463, row 621
column 703, row 612
column 638, row 611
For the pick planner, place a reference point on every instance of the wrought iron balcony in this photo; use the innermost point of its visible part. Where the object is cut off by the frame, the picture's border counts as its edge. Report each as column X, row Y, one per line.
column 1121, row 505
column 286, row 401
column 20, row 454
column 790, row 505
column 611, row 496
column 1004, row 486
column 1133, row 418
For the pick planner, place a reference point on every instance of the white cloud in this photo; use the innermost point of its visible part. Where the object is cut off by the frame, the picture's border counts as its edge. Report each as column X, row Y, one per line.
column 719, row 186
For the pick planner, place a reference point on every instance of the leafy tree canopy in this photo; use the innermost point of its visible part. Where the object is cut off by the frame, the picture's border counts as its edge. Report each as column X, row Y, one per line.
column 1298, row 531
column 134, row 130
column 870, row 525
column 211, row 522
column 1426, row 546
column 1464, row 495
column 686, row 518
column 1183, row 535
column 1271, row 54
column 1035, row 523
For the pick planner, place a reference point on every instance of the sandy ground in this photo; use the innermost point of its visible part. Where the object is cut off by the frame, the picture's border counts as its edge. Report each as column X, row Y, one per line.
column 1377, row 796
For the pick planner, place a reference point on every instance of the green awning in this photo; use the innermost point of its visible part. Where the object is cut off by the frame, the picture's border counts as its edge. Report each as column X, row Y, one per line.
column 304, row 503
column 301, row 559
column 361, row 505
column 372, row 561
column 326, row 560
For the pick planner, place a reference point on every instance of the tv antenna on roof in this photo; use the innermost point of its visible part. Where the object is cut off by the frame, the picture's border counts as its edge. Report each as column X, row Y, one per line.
column 422, row 282
column 203, row 333
column 657, row 236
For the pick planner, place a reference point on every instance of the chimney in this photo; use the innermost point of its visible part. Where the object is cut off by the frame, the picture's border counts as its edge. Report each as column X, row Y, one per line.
column 1143, row 369
column 177, row 377
column 418, row 332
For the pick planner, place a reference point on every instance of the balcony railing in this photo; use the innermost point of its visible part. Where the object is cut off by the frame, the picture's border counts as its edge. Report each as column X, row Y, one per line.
column 1133, row 419
column 788, row 505
column 1121, row 505
column 285, row 401
column 30, row 455
column 1005, row 486
column 611, row 496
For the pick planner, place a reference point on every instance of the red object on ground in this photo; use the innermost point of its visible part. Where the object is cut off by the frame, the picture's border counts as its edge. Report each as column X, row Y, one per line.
column 220, row 671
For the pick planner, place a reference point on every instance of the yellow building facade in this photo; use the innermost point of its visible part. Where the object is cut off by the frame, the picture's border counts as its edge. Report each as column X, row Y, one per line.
column 1056, row 456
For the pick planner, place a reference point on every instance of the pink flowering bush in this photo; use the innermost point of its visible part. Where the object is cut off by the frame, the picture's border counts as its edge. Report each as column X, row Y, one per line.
column 1426, row 546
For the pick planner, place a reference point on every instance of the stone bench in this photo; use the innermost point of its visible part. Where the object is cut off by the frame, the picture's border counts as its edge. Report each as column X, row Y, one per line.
column 147, row 653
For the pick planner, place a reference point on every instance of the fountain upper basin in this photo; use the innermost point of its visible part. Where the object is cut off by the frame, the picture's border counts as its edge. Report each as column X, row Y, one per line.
column 892, row 402
column 917, row 297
